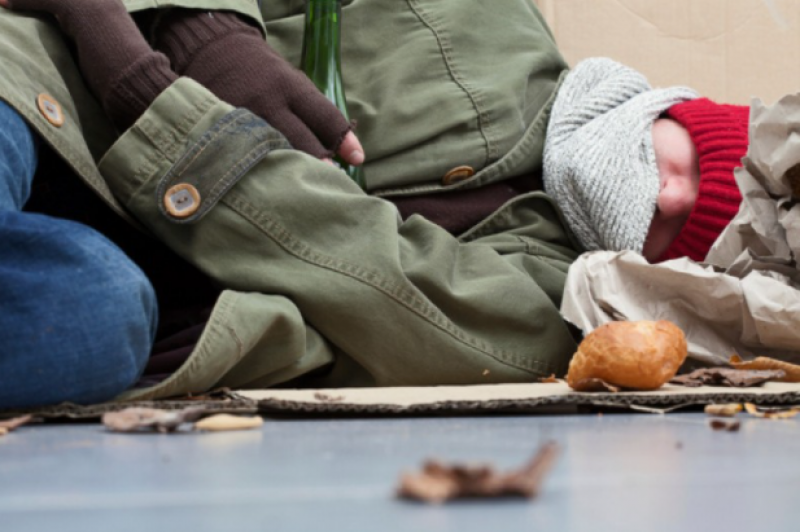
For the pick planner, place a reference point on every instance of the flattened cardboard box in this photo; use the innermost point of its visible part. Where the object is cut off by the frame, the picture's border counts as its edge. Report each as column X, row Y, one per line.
column 443, row 400
column 519, row 398
column 727, row 50
column 437, row 400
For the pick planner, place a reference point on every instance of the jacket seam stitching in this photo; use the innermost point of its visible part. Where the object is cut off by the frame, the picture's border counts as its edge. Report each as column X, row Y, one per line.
column 485, row 125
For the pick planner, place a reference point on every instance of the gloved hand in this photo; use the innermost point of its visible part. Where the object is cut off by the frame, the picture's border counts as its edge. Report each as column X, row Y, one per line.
column 230, row 58
column 118, row 64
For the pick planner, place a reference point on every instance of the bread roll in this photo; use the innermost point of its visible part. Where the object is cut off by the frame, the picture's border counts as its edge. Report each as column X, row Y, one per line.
column 641, row 355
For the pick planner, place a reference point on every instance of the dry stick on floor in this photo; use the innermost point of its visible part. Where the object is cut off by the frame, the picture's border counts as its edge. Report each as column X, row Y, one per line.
column 227, row 422
column 8, row 425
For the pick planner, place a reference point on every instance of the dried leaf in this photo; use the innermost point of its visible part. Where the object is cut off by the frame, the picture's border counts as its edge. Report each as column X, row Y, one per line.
column 734, row 378
column 765, row 363
column 771, row 413
column 438, row 482
column 724, row 424
column 729, row 410
column 11, row 424
column 135, row 419
column 594, row 386
column 325, row 398
column 223, row 422
column 549, row 380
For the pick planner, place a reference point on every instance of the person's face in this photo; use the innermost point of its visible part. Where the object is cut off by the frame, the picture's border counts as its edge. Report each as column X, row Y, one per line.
column 679, row 174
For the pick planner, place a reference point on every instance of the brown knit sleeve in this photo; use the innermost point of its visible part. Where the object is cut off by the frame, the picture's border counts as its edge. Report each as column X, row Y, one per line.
column 182, row 33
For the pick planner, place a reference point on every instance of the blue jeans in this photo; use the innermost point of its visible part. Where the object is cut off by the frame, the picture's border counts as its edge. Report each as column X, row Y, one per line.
column 77, row 317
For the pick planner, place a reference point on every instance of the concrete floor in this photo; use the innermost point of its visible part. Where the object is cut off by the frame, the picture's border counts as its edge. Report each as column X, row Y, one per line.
column 617, row 472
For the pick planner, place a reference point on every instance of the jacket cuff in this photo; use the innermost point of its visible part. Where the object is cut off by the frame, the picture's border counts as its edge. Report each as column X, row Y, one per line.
column 176, row 119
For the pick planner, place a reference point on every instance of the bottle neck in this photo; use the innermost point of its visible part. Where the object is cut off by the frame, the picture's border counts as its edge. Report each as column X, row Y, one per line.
column 321, row 43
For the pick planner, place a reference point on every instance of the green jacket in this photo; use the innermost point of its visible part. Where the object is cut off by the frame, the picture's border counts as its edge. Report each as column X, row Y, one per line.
column 326, row 286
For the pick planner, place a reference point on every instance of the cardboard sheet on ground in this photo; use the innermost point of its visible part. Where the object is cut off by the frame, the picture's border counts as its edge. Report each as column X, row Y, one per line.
column 502, row 398
column 531, row 398
column 745, row 299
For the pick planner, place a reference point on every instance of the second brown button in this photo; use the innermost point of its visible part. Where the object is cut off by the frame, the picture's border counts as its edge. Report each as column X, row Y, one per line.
column 458, row 174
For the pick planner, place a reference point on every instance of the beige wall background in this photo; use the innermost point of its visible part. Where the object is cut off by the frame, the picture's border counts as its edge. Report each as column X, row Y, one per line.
column 728, row 50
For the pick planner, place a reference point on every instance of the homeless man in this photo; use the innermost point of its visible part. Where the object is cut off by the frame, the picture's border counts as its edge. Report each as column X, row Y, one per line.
column 321, row 284
column 330, row 287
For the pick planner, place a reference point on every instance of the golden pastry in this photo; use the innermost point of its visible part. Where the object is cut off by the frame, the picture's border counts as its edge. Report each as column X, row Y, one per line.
column 640, row 355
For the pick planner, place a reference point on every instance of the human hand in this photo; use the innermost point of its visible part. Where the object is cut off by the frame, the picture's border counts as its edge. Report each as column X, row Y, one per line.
column 116, row 61
column 230, row 58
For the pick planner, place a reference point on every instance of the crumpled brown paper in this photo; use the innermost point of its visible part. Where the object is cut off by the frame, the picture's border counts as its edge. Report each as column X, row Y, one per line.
column 745, row 298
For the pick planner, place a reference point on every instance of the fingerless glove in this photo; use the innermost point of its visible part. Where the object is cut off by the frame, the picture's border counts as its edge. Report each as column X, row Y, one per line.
column 230, row 57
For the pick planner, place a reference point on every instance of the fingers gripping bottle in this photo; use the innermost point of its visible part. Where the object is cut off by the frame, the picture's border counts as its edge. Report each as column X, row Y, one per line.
column 321, row 60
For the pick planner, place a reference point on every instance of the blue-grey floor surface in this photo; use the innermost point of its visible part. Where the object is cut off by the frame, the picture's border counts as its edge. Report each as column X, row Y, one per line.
column 616, row 472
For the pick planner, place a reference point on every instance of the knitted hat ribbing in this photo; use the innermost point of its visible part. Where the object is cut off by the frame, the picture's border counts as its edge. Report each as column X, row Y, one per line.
column 719, row 133
column 599, row 161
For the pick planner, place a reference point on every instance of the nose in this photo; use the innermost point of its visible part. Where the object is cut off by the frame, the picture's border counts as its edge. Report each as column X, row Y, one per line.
column 677, row 198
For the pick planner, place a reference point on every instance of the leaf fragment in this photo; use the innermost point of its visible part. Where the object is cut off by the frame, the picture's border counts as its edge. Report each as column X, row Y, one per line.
column 727, row 410
column 724, row 425
column 439, row 482
column 772, row 413
column 225, row 422
column 138, row 419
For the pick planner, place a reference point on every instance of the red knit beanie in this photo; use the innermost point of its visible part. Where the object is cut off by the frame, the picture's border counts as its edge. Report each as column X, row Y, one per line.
column 719, row 133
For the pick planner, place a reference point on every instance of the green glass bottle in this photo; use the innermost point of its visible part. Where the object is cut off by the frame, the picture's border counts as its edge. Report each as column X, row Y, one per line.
column 322, row 61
